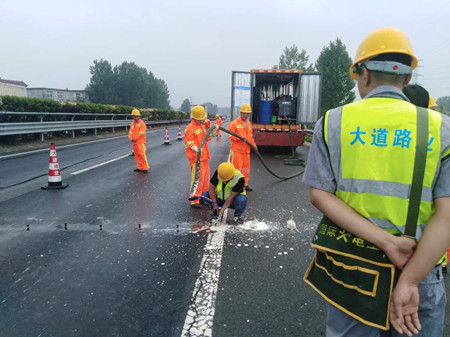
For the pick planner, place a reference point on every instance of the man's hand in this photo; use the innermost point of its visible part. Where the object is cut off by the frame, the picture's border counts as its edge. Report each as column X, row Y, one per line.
column 255, row 148
column 400, row 250
column 194, row 148
column 221, row 211
column 404, row 308
column 133, row 140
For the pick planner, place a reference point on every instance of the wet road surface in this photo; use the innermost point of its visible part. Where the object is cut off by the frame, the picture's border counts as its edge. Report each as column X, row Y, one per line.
column 104, row 276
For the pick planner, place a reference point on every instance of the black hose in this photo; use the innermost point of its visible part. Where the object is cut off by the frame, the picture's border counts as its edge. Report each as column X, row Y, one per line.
column 199, row 153
column 293, row 159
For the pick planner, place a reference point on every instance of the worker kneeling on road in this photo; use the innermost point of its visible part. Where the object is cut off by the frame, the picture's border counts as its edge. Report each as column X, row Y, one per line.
column 227, row 190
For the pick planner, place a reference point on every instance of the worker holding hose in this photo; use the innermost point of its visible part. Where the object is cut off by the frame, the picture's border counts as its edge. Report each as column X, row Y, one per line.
column 219, row 123
column 193, row 136
column 240, row 150
column 227, row 190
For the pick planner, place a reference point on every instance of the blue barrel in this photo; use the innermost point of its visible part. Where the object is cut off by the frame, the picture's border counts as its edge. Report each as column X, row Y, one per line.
column 265, row 112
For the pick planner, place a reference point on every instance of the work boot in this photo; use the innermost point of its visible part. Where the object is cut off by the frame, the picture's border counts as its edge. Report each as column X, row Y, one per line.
column 237, row 220
column 197, row 205
column 248, row 188
column 137, row 170
column 144, row 171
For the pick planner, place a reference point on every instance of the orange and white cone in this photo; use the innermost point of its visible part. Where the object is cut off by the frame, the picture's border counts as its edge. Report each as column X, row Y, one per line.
column 180, row 137
column 54, row 174
column 166, row 137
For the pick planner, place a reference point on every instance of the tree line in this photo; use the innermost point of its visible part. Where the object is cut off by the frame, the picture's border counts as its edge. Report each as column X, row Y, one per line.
column 126, row 84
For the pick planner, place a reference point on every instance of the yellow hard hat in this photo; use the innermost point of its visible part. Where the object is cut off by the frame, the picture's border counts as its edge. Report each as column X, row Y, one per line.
column 431, row 102
column 135, row 112
column 246, row 108
column 198, row 113
column 217, row 116
column 382, row 41
column 225, row 171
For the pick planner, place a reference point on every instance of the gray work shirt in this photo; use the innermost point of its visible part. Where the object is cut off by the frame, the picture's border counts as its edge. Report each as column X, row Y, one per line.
column 319, row 174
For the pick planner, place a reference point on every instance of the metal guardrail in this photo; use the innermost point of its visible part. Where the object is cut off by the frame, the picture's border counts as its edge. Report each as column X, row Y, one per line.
column 42, row 127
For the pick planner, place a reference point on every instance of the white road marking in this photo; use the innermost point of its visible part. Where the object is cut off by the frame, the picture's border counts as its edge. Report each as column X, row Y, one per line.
column 200, row 316
column 98, row 165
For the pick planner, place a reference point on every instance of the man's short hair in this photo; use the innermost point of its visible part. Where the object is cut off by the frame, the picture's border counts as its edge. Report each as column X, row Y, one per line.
column 396, row 57
column 417, row 95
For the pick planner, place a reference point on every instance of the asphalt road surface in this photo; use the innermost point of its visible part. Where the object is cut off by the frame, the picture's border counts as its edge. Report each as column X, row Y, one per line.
column 129, row 263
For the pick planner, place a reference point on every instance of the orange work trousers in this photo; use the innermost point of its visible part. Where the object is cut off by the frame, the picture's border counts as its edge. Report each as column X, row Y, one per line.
column 203, row 179
column 241, row 162
column 140, row 154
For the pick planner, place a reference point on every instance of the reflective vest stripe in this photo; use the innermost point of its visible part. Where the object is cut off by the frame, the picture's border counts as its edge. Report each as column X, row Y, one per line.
column 198, row 131
column 223, row 194
column 368, row 185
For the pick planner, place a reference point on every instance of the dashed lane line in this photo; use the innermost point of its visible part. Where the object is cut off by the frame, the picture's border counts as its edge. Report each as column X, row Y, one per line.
column 98, row 165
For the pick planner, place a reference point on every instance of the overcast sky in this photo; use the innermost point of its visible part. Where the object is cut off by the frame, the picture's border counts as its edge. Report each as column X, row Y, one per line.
column 194, row 45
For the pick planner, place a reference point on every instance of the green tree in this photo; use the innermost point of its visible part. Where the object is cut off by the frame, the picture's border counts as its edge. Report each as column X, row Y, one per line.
column 211, row 109
column 337, row 84
column 101, row 84
column 443, row 104
column 127, row 84
column 186, row 106
column 293, row 59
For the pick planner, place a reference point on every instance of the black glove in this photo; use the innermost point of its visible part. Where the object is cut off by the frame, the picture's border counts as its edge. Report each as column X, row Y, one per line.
column 216, row 212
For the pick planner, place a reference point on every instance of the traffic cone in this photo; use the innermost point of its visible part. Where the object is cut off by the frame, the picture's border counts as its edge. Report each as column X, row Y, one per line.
column 166, row 137
column 180, row 137
column 54, row 175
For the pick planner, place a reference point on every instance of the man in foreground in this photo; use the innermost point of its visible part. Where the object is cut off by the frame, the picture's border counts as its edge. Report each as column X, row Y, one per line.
column 360, row 170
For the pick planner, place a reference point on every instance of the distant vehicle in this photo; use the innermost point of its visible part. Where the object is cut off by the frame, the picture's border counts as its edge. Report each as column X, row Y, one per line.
column 283, row 101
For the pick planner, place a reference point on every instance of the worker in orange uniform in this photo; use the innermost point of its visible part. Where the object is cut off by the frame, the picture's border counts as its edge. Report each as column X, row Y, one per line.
column 207, row 124
column 138, row 137
column 240, row 150
column 219, row 123
column 193, row 136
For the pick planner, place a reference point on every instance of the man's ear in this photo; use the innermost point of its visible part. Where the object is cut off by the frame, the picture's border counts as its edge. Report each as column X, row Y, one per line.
column 408, row 79
column 366, row 77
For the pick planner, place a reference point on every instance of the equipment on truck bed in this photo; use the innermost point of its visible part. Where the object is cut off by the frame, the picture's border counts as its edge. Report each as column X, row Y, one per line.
column 278, row 97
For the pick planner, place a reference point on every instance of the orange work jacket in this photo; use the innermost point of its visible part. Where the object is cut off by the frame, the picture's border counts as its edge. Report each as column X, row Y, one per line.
column 138, row 131
column 193, row 135
column 219, row 121
column 237, row 126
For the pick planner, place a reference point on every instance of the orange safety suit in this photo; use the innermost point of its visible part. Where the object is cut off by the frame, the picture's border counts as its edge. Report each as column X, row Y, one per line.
column 207, row 124
column 137, row 133
column 193, row 135
column 240, row 151
column 219, row 123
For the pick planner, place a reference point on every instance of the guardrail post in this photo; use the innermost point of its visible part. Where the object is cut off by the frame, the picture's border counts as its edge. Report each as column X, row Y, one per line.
column 113, row 127
column 42, row 133
column 73, row 131
column 95, row 130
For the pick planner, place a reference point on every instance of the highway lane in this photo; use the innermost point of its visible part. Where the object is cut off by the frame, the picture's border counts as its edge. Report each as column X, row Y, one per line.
column 122, row 281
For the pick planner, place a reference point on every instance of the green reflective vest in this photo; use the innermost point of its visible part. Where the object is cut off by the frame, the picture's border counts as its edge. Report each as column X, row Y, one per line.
column 371, row 146
column 224, row 193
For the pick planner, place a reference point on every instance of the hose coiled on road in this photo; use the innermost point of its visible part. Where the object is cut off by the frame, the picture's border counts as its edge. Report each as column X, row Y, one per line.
column 199, row 153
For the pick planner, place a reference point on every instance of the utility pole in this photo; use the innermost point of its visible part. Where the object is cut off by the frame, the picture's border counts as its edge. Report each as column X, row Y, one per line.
column 416, row 75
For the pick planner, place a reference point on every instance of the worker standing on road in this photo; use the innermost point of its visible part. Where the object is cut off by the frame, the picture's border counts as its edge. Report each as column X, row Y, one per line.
column 359, row 170
column 240, row 150
column 138, row 137
column 227, row 190
column 219, row 123
column 207, row 124
column 193, row 136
